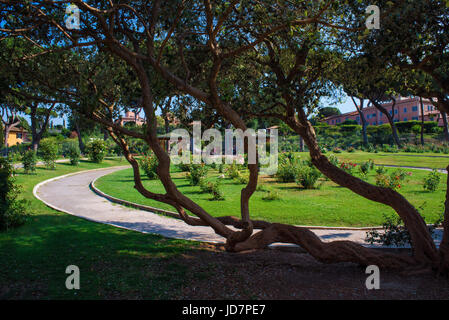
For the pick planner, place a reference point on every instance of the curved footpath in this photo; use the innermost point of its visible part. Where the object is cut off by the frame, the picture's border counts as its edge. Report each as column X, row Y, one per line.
column 72, row 194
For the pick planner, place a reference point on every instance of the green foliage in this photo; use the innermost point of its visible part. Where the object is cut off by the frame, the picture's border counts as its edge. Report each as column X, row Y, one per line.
column 73, row 153
column 365, row 167
column 242, row 179
column 48, row 148
column 149, row 165
column 381, row 170
column 29, row 160
column 13, row 212
column 432, row 180
column 288, row 167
column 394, row 232
column 232, row 171
column 212, row 188
column 414, row 126
column 308, row 176
column 393, row 180
column 271, row 195
column 196, row 173
column 337, row 150
column 96, row 150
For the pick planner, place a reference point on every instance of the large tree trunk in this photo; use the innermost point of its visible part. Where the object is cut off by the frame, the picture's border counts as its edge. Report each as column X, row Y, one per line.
column 390, row 118
column 423, row 244
column 422, row 120
column 78, row 133
column 445, row 126
column 362, row 120
column 36, row 132
column 301, row 144
column 7, row 131
column 444, row 245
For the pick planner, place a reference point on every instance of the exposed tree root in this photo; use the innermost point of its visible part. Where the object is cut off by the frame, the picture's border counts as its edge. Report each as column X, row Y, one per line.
column 326, row 252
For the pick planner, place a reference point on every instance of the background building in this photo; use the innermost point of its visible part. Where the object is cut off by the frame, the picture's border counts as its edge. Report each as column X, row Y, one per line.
column 17, row 136
column 405, row 109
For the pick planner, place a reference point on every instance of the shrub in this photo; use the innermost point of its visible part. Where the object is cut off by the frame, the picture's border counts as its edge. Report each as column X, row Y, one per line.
column 212, row 188
column 350, row 149
column 29, row 160
column 96, row 150
column 196, row 173
column 432, row 180
column 337, row 150
column 394, row 232
column 308, row 176
column 184, row 167
column 49, row 152
column 73, row 153
column 232, row 171
column 220, row 168
column 366, row 167
column 334, row 160
column 241, row 179
column 271, row 195
column 393, row 180
column 288, row 168
column 348, row 166
column 149, row 166
column 381, row 170
column 13, row 212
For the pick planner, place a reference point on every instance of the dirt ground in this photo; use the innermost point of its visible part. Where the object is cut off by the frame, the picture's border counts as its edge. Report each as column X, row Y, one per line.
column 290, row 273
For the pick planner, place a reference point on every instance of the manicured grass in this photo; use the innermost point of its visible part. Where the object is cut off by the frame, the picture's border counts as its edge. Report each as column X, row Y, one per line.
column 113, row 262
column 330, row 205
column 428, row 160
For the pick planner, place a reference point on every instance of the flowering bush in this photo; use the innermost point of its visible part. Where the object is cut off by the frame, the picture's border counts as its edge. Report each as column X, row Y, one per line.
column 392, row 181
column 233, row 171
column 348, row 166
column 149, row 166
column 196, row 173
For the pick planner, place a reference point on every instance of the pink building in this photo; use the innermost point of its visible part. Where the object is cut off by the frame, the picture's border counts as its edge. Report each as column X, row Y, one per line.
column 131, row 117
column 406, row 109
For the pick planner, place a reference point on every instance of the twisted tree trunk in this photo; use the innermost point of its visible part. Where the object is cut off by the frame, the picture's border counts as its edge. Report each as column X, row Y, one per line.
column 422, row 242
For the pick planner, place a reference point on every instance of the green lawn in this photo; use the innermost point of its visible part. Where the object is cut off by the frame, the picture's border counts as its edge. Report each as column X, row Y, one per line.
column 113, row 262
column 428, row 160
column 330, row 205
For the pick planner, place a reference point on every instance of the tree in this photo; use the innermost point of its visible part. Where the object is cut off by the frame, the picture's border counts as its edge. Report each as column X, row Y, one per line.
column 221, row 46
column 10, row 120
column 328, row 111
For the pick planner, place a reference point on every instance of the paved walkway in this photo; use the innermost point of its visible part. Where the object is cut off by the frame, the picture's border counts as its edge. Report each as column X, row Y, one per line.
column 71, row 194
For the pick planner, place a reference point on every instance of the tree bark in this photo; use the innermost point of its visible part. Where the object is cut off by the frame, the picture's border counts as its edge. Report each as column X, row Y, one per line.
column 445, row 126
column 444, row 245
column 37, row 133
column 422, row 121
column 362, row 120
column 390, row 118
column 422, row 243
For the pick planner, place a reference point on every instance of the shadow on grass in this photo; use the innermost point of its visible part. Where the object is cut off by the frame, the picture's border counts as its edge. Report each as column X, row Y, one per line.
column 113, row 262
